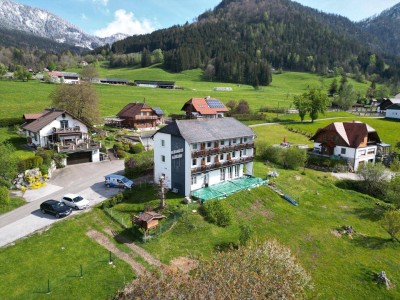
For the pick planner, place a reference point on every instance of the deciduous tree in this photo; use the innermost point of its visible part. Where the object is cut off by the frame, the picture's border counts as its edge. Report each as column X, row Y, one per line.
column 89, row 72
column 79, row 99
column 391, row 223
column 347, row 97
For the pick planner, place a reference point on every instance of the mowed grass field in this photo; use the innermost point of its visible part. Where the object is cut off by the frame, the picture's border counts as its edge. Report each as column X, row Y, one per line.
column 17, row 98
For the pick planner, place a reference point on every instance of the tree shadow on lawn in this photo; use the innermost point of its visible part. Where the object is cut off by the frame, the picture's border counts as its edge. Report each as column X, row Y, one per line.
column 373, row 242
column 369, row 213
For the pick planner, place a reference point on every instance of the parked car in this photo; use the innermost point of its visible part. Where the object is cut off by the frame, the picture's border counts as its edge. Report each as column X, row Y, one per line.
column 55, row 208
column 75, row 201
column 114, row 180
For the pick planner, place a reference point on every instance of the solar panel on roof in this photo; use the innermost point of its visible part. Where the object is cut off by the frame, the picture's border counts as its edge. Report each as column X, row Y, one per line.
column 213, row 103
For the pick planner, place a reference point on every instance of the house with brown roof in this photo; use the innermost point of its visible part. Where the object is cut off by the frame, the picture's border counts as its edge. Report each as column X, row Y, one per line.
column 204, row 108
column 354, row 141
column 63, row 132
column 140, row 116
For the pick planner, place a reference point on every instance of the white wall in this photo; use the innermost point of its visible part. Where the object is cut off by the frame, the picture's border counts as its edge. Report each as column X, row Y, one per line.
column 96, row 155
column 161, row 167
column 395, row 114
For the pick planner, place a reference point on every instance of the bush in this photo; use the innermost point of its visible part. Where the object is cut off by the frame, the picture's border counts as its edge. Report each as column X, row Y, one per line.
column 4, row 196
column 270, row 153
column 11, row 122
column 136, row 148
column 30, row 163
column 121, row 153
column 294, row 158
column 139, row 164
column 5, row 182
column 46, row 155
column 246, row 231
column 217, row 212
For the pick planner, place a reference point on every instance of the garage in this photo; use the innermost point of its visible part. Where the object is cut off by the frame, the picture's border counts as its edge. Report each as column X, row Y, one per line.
column 79, row 158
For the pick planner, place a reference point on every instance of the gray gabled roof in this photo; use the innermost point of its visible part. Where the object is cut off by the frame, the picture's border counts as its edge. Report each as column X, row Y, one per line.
column 204, row 130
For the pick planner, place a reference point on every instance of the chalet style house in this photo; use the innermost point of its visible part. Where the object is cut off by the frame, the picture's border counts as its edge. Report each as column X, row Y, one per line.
column 204, row 108
column 354, row 141
column 61, row 131
column 193, row 154
column 64, row 77
column 140, row 116
column 386, row 103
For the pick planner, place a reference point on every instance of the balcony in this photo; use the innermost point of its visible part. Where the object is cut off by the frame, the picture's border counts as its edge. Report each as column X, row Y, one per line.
column 218, row 165
column 139, row 117
column 67, row 130
column 222, row 149
column 76, row 148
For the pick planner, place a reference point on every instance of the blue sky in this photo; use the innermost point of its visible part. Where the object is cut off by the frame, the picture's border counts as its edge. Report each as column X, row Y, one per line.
column 106, row 17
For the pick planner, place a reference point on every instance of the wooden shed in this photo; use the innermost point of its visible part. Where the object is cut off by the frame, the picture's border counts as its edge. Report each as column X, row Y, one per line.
column 147, row 220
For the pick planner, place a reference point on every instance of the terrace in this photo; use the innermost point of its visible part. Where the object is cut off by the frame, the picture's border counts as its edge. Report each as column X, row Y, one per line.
column 80, row 147
column 217, row 150
column 218, row 165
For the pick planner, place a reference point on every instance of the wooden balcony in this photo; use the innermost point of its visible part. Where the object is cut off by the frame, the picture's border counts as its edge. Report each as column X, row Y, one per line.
column 222, row 149
column 67, row 130
column 139, row 117
column 218, row 165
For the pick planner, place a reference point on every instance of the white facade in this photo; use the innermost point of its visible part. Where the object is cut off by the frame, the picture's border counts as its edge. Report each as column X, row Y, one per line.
column 205, row 163
column 355, row 156
column 392, row 113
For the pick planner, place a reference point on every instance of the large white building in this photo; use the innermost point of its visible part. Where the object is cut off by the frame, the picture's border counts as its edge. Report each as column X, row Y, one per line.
column 192, row 154
column 393, row 111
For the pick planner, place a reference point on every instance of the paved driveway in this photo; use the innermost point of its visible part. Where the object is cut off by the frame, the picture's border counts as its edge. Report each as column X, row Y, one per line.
column 84, row 179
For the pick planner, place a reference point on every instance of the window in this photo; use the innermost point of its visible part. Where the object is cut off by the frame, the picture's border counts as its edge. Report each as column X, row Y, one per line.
column 222, row 142
column 162, row 143
column 237, row 168
column 163, row 158
column 194, row 146
column 244, row 152
column 343, row 151
column 208, row 159
column 209, row 145
column 222, row 174
column 233, row 153
column 64, row 124
column 194, row 180
column 244, row 140
column 234, row 141
column 194, row 162
column 221, row 157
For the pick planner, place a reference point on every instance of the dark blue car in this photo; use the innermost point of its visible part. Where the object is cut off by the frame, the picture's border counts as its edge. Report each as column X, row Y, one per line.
column 56, row 208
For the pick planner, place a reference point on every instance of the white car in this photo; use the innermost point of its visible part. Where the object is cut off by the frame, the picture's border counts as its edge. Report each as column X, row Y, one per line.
column 75, row 201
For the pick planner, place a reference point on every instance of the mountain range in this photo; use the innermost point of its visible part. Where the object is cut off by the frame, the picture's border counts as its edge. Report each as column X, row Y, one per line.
column 27, row 20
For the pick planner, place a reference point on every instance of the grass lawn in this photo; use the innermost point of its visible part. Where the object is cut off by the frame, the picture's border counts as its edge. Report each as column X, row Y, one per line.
column 15, row 202
column 56, row 255
column 18, row 98
column 9, row 134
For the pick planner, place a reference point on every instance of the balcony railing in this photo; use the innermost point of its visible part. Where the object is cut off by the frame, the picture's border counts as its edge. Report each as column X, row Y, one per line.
column 139, row 117
column 218, row 165
column 222, row 149
column 80, row 147
column 75, row 129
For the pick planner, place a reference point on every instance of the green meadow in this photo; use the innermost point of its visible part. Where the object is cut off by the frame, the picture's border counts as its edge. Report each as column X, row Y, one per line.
column 17, row 98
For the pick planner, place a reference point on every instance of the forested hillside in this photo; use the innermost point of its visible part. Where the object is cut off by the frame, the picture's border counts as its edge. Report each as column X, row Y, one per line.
column 240, row 39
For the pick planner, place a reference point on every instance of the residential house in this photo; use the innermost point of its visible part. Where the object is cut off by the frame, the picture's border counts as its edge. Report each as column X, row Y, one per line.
column 204, row 108
column 160, row 114
column 393, row 111
column 138, row 115
column 385, row 103
column 64, row 77
column 61, row 131
column 192, row 154
column 354, row 141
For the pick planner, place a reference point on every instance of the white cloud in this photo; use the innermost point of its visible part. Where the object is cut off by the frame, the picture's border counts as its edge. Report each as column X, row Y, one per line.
column 103, row 2
column 125, row 22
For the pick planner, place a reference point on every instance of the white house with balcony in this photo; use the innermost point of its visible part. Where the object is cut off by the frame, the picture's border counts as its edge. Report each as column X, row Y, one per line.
column 61, row 131
column 193, row 154
column 354, row 141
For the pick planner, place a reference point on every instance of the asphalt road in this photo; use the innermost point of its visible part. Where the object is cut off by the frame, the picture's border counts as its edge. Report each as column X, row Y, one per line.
column 86, row 180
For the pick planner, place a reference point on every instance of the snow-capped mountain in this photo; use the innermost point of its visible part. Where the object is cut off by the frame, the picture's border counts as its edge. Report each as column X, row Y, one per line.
column 39, row 22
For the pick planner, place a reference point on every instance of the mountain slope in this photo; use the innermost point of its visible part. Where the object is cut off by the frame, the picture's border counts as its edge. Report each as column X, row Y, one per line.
column 39, row 22
column 232, row 40
column 386, row 29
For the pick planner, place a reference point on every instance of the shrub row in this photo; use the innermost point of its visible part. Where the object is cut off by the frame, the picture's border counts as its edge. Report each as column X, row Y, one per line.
column 291, row 158
column 30, row 163
column 298, row 130
column 11, row 122
column 119, row 198
column 217, row 212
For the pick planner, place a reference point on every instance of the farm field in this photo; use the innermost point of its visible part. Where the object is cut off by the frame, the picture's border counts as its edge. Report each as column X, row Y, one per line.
column 18, row 98
column 341, row 267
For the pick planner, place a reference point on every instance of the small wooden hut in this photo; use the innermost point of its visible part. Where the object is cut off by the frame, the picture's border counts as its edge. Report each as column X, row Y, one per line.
column 147, row 220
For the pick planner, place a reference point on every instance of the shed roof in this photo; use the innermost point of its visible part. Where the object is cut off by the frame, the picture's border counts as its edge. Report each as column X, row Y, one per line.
column 204, row 130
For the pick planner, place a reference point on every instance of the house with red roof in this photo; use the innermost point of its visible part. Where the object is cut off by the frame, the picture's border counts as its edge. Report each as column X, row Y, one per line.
column 140, row 116
column 204, row 108
column 64, row 77
column 355, row 141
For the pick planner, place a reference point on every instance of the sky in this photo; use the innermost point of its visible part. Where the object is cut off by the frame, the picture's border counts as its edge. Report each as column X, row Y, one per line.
column 106, row 17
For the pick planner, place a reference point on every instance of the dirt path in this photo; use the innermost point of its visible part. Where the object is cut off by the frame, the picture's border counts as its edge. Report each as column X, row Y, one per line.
column 138, row 250
column 105, row 242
